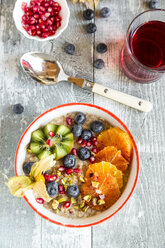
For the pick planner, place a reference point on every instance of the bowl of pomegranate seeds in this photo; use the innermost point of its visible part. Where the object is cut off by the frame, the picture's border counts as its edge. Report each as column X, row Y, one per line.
column 41, row 20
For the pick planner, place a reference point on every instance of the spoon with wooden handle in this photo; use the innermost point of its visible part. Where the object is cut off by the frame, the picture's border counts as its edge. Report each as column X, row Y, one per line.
column 46, row 70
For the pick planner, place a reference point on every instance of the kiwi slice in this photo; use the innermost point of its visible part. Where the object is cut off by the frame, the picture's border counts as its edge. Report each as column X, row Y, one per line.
column 43, row 145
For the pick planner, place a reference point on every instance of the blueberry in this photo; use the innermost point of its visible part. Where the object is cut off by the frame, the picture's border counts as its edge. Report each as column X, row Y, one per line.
column 69, row 161
column 105, row 12
column 27, row 167
column 18, row 108
column 86, row 134
column 99, row 64
column 84, row 153
column 80, row 118
column 88, row 14
column 101, row 48
column 77, row 130
column 97, row 126
column 91, row 28
column 73, row 191
column 153, row 4
column 52, row 188
column 70, row 49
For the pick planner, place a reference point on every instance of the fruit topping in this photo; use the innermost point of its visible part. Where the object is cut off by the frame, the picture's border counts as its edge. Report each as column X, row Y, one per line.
column 18, row 108
column 94, row 150
column 84, row 143
column 69, row 161
column 51, row 134
column 88, row 14
column 99, row 64
column 61, row 188
column 69, row 121
column 40, row 200
column 67, row 204
column 74, row 151
column 86, row 134
column 79, row 141
column 80, row 118
column 50, row 178
column 153, row 4
column 60, row 144
column 91, row 28
column 41, row 18
column 77, row 130
column 76, row 170
column 97, row 126
column 92, row 159
column 73, row 191
column 70, row 49
column 114, row 136
column 69, row 171
column 84, row 153
column 61, row 168
column 27, row 167
column 105, row 12
column 52, row 189
column 101, row 48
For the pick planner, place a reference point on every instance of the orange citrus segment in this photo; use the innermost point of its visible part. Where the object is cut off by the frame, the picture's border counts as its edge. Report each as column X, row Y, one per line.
column 118, row 138
column 109, row 180
column 112, row 155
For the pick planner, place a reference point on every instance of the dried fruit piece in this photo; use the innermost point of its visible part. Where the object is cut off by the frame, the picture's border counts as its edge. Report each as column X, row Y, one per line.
column 114, row 136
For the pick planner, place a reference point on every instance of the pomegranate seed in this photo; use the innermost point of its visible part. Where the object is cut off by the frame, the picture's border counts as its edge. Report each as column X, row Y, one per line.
column 57, row 18
column 30, row 13
column 69, row 121
column 94, row 150
column 42, row 26
column 79, row 141
column 61, row 168
column 43, row 17
column 42, row 9
column 40, row 200
column 52, row 178
column 32, row 3
column 47, row 14
column 84, row 143
column 66, row 204
column 51, row 134
column 24, row 6
column 95, row 143
column 56, row 13
column 36, row 16
column 92, row 159
column 93, row 139
column 62, row 192
column 69, row 171
column 49, row 22
column 55, row 4
column 44, row 35
column 48, row 142
column 58, row 24
column 50, row 9
column 89, row 143
column 38, row 32
column 74, row 151
column 32, row 22
column 61, row 188
column 46, row 4
column 45, row 30
column 35, row 9
column 76, row 170
column 52, row 32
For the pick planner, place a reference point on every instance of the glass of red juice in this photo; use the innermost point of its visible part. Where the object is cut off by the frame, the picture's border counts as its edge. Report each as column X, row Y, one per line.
column 143, row 55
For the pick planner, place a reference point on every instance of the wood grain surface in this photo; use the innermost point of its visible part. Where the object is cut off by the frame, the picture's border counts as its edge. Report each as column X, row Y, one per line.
column 141, row 224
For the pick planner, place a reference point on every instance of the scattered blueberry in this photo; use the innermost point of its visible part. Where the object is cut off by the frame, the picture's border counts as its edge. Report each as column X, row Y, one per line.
column 105, row 12
column 69, row 161
column 80, row 118
column 77, row 130
column 101, row 48
column 84, row 153
column 52, row 188
column 70, row 49
column 88, row 14
column 99, row 64
column 86, row 134
column 27, row 167
column 73, row 191
column 18, row 108
column 91, row 28
column 97, row 126
column 154, row 4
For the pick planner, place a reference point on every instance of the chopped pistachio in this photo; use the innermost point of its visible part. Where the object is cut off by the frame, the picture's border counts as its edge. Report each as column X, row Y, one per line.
column 55, row 204
column 81, row 178
column 69, row 176
column 72, row 174
column 73, row 200
column 65, row 187
column 82, row 205
column 84, row 209
column 29, row 150
column 63, row 181
column 101, row 202
column 70, row 181
column 95, row 184
column 76, row 207
column 87, row 198
column 98, row 191
column 94, row 201
column 58, row 173
column 61, row 199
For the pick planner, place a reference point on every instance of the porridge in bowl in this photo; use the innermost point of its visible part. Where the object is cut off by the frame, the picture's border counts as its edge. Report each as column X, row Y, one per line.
column 77, row 164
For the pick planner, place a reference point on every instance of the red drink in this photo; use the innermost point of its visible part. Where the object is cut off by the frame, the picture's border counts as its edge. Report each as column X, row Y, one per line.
column 147, row 44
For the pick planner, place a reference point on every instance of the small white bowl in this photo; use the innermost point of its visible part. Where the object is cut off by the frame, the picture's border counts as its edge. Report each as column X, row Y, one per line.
column 42, row 120
column 18, row 13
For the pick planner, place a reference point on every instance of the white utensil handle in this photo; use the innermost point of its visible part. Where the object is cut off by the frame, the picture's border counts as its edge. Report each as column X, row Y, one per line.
column 123, row 98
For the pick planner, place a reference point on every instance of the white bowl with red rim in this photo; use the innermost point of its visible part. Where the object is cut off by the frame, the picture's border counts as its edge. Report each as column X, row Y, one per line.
column 18, row 13
column 42, row 120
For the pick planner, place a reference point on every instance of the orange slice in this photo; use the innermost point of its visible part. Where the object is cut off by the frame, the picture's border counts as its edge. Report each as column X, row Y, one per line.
column 112, row 155
column 109, row 180
column 118, row 138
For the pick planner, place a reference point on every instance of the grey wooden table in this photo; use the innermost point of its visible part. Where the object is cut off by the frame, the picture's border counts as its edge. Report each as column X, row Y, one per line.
column 141, row 223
